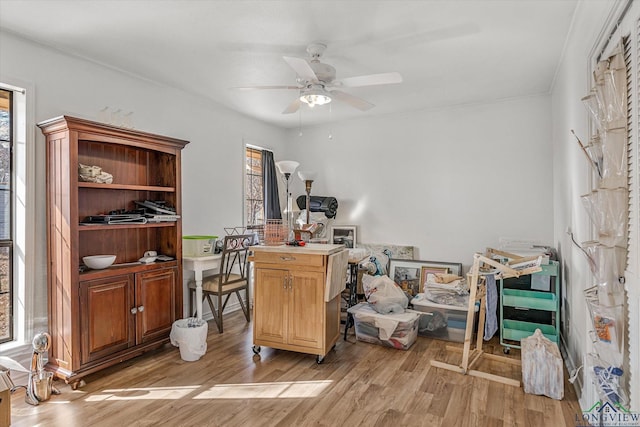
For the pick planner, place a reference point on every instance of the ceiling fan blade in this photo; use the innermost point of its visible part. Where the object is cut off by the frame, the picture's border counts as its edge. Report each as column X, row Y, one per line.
column 293, row 107
column 265, row 87
column 354, row 101
column 302, row 68
column 370, row 80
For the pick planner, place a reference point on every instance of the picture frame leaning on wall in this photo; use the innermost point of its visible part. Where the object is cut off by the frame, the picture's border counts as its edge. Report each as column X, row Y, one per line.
column 410, row 275
column 344, row 235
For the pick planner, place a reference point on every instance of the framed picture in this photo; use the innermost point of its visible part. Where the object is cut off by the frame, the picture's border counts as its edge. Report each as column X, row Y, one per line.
column 344, row 235
column 410, row 275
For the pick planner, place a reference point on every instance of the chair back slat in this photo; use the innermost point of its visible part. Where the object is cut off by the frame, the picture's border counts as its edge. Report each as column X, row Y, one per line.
column 234, row 257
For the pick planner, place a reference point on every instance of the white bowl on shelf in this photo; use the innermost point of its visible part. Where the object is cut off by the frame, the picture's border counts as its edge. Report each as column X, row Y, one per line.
column 98, row 262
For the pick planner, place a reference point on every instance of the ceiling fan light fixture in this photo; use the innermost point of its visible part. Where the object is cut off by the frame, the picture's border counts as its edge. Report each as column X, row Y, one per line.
column 315, row 96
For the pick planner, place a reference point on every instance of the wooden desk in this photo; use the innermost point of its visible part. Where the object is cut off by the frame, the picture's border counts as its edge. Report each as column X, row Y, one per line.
column 199, row 264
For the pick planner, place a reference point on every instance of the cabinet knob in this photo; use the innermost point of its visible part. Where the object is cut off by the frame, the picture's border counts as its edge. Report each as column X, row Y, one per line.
column 290, row 282
column 141, row 308
column 288, row 258
column 134, row 310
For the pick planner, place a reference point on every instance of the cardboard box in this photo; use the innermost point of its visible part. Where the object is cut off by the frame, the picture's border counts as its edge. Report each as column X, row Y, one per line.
column 5, row 400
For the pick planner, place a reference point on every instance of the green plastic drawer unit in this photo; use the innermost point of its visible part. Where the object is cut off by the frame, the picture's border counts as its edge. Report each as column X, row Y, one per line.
column 516, row 330
column 550, row 269
column 529, row 299
column 547, row 271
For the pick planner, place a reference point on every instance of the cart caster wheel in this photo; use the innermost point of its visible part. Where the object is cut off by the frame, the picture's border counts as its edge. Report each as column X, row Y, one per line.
column 506, row 350
column 256, row 349
column 319, row 359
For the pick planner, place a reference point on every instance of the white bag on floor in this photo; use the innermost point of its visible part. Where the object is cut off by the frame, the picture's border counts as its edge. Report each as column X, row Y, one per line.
column 542, row 369
column 384, row 295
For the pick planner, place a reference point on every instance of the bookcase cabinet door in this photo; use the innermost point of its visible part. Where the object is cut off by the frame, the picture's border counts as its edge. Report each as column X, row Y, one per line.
column 155, row 300
column 106, row 321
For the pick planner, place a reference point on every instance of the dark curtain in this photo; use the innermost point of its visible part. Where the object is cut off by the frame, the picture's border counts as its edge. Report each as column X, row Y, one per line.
column 270, row 185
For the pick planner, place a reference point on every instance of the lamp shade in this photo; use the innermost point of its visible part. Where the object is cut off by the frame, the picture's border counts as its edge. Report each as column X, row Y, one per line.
column 287, row 166
column 307, row 176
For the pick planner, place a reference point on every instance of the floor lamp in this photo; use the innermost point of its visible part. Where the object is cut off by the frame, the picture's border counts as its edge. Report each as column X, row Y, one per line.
column 308, row 178
column 286, row 168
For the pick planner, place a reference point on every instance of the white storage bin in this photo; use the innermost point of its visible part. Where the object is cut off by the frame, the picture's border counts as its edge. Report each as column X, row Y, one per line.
column 446, row 322
column 392, row 330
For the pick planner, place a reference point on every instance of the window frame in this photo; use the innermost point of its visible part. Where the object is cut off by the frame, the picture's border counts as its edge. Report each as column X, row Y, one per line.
column 9, row 241
column 252, row 218
column 28, row 275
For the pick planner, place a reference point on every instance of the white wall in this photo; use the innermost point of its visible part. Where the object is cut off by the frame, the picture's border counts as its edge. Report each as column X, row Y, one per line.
column 572, row 179
column 212, row 173
column 449, row 182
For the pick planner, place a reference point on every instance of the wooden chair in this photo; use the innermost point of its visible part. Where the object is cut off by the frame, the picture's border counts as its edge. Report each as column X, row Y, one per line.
column 231, row 278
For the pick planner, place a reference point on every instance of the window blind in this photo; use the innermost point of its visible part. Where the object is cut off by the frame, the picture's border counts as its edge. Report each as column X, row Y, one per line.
column 632, row 284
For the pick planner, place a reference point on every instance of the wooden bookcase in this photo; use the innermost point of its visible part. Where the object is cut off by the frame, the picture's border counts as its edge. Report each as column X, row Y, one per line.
column 98, row 318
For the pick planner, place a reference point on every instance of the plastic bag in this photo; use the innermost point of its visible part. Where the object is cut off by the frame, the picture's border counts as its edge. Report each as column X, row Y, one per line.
column 608, row 328
column 609, row 380
column 384, row 295
column 542, row 369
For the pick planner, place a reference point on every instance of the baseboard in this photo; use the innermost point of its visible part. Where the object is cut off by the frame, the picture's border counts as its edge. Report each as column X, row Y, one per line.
column 230, row 308
column 570, row 364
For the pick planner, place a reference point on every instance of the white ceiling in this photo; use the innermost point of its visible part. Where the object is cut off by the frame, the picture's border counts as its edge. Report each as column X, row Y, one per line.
column 448, row 52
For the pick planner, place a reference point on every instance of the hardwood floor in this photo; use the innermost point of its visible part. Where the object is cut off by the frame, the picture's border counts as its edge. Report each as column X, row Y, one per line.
column 358, row 384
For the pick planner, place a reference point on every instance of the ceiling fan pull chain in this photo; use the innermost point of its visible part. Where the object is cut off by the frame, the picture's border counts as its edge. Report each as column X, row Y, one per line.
column 330, row 117
column 300, row 122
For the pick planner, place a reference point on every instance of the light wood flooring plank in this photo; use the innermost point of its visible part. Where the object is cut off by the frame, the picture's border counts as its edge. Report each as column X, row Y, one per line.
column 358, row 384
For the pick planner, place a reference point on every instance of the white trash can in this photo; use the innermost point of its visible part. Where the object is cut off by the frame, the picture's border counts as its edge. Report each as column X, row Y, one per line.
column 190, row 335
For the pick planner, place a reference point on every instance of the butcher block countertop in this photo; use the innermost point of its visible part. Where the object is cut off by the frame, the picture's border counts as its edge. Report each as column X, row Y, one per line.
column 309, row 248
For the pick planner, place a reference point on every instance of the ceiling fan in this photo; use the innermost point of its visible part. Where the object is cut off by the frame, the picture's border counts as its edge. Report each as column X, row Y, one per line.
column 317, row 82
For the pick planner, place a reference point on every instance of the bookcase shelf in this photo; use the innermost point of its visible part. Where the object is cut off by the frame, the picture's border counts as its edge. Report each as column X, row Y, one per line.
column 126, row 187
column 102, row 227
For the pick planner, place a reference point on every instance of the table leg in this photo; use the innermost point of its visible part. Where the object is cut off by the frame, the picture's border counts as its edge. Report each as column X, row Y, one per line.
column 353, row 300
column 198, row 278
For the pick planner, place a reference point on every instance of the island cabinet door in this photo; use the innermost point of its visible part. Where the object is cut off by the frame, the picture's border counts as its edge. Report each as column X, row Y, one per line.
column 270, row 305
column 306, row 322
column 155, row 304
column 106, row 322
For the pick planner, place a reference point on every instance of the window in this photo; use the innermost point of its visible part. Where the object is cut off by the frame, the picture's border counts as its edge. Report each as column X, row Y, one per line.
column 254, row 194
column 22, row 298
column 6, row 229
